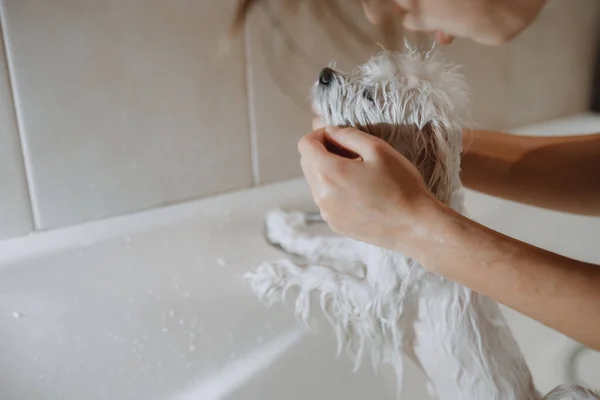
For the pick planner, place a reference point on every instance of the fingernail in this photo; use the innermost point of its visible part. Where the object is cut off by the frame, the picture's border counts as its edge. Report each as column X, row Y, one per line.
column 443, row 38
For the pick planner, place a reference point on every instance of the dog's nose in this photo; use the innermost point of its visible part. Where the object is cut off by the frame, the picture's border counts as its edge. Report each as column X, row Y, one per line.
column 326, row 76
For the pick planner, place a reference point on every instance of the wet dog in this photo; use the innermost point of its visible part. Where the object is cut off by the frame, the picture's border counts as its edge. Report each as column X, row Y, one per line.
column 381, row 303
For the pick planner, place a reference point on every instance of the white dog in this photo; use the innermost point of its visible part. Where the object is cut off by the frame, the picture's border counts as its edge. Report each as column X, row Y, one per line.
column 381, row 302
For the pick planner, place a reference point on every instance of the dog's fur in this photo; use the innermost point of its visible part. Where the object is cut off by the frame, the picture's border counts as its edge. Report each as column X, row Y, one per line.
column 381, row 302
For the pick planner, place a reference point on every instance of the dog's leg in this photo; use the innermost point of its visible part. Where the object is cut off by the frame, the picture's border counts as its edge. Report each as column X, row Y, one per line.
column 346, row 301
column 465, row 347
column 362, row 318
column 338, row 292
column 284, row 229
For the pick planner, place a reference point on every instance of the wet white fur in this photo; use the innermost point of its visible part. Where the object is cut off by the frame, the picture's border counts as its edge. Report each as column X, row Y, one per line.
column 381, row 303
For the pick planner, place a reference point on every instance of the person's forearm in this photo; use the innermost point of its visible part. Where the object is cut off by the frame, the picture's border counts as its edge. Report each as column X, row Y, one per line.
column 561, row 293
column 560, row 173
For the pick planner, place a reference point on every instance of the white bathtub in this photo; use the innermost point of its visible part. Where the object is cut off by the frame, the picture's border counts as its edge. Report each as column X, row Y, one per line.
column 151, row 306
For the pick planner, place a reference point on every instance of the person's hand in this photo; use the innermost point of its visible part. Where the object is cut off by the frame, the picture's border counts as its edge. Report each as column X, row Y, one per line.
column 484, row 21
column 377, row 196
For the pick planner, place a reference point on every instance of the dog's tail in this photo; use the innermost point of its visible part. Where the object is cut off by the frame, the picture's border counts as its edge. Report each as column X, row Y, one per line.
column 572, row 392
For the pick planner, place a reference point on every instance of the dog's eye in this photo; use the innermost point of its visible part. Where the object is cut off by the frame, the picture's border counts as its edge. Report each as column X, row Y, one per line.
column 368, row 94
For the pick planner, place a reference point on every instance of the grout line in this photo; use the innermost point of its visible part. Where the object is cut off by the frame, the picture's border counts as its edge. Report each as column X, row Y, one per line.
column 250, row 98
column 18, row 122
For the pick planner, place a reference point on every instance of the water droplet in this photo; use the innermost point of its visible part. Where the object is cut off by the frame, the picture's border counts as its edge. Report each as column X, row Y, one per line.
column 16, row 314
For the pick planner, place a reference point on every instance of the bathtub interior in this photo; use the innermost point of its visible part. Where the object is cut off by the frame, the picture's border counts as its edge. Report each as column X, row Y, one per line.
column 152, row 306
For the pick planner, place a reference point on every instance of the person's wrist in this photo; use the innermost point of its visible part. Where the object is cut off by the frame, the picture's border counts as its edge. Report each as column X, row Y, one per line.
column 441, row 232
column 419, row 231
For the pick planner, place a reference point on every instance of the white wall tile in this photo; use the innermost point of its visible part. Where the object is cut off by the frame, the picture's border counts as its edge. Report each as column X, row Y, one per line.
column 124, row 104
column 485, row 69
column 15, row 209
column 552, row 63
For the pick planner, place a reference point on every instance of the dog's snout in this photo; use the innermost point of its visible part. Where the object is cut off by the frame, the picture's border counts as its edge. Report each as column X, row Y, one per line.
column 326, row 76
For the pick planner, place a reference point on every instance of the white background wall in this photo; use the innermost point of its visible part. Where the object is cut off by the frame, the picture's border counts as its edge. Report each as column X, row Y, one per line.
column 115, row 106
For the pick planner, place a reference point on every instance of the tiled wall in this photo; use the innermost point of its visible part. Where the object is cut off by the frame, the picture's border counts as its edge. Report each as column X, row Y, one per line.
column 114, row 106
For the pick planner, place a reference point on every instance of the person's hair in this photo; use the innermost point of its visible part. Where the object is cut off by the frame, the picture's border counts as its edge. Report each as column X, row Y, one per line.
column 337, row 19
column 325, row 11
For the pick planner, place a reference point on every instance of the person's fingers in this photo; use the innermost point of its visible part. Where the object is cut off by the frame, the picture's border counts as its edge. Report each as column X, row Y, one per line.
column 362, row 144
column 317, row 172
column 320, row 148
column 315, row 109
column 313, row 143
column 443, row 38
column 318, row 161
column 317, row 123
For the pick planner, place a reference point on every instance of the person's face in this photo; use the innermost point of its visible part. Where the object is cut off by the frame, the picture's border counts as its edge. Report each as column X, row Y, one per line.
column 484, row 21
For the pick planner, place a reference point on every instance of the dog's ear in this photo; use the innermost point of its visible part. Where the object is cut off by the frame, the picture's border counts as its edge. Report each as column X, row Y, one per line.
column 437, row 159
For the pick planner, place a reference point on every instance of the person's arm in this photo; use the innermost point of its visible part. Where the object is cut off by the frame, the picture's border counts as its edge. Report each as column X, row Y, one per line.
column 559, row 173
column 561, row 293
column 379, row 197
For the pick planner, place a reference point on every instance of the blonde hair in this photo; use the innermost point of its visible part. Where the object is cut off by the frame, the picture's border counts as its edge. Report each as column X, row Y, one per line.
column 389, row 35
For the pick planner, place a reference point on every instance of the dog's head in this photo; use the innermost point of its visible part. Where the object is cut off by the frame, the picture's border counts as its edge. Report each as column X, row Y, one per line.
column 416, row 102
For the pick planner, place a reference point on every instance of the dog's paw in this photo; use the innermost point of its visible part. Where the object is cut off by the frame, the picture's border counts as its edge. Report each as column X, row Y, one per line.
column 282, row 227
column 271, row 281
column 266, row 283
